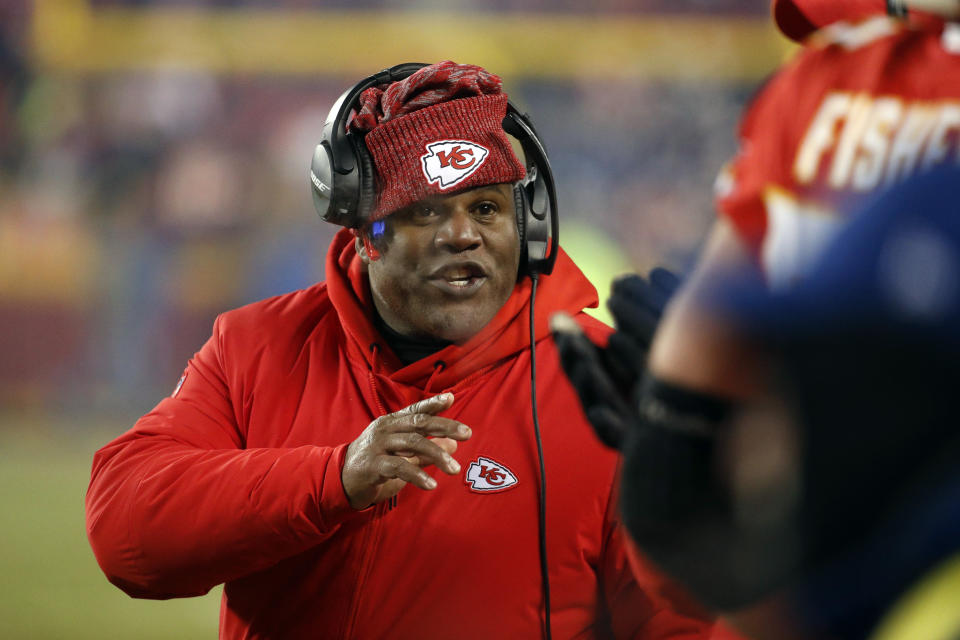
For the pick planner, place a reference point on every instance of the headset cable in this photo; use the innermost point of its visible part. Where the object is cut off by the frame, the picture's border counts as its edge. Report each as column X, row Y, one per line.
column 544, row 566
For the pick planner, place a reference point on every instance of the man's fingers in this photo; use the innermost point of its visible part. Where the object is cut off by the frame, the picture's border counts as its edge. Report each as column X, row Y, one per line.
column 632, row 318
column 625, row 360
column 651, row 293
column 426, row 425
column 447, row 444
column 637, row 304
column 394, row 449
column 665, row 281
column 580, row 360
column 432, row 405
column 608, row 424
column 638, row 291
column 426, row 451
column 627, row 349
column 390, row 467
column 584, row 362
column 419, row 417
column 578, row 355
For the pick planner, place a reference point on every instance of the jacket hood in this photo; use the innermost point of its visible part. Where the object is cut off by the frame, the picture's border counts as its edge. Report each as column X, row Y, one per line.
column 566, row 289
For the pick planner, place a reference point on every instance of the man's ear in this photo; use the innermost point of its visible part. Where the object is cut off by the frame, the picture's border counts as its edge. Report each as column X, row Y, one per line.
column 358, row 244
column 365, row 249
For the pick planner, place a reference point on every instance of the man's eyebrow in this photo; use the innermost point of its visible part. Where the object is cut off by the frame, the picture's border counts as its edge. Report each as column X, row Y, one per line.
column 483, row 191
column 476, row 193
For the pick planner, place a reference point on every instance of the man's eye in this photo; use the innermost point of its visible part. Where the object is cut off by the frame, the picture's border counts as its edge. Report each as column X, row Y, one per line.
column 487, row 209
column 424, row 212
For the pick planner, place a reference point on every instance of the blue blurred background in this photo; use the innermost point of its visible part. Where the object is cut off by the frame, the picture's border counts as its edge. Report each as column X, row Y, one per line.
column 153, row 173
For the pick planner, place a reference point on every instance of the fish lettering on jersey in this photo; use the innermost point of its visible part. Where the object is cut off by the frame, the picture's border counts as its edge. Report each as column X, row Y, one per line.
column 860, row 142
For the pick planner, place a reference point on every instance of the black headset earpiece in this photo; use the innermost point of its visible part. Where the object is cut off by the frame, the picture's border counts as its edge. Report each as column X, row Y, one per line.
column 341, row 172
column 367, row 177
column 343, row 177
column 540, row 226
column 520, row 207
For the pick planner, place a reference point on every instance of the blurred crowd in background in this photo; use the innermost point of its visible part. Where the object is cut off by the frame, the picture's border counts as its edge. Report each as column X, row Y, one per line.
column 140, row 197
column 153, row 173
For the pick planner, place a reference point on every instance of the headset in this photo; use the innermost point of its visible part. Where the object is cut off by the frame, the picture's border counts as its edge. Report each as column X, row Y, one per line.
column 343, row 178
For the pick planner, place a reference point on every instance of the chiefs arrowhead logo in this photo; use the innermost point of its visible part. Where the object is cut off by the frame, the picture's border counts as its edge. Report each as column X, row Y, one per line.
column 447, row 163
column 486, row 476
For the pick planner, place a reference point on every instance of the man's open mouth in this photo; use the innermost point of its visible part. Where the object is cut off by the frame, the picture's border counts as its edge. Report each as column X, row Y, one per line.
column 459, row 278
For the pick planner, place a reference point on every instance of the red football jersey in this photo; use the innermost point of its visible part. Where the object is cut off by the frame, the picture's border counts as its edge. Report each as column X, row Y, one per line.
column 860, row 109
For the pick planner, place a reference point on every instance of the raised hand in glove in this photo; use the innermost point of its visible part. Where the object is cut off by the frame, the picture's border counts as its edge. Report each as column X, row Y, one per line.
column 605, row 378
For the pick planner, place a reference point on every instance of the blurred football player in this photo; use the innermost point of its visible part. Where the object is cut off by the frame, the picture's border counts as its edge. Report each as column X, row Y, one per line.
column 836, row 488
column 863, row 107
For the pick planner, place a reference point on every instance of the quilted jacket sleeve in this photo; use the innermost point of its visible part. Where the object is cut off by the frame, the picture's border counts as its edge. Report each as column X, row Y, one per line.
column 176, row 505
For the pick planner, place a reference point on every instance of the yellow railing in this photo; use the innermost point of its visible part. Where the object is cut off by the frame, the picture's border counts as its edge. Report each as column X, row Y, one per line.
column 71, row 36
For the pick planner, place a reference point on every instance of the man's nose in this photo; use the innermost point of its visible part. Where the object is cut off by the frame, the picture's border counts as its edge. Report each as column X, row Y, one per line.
column 458, row 231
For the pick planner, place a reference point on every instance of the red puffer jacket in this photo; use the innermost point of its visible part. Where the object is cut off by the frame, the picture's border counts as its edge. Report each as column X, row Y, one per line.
column 236, row 479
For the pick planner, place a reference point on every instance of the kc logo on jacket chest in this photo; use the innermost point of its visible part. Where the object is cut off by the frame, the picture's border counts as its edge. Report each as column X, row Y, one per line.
column 488, row 476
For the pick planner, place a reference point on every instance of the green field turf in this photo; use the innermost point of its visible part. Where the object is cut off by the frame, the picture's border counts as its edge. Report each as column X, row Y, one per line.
column 50, row 584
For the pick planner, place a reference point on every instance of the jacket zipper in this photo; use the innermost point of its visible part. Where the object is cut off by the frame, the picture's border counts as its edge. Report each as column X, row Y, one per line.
column 372, row 533
column 368, row 549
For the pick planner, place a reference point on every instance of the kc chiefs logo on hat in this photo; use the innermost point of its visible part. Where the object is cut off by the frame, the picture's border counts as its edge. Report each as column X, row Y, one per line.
column 447, row 163
column 486, row 476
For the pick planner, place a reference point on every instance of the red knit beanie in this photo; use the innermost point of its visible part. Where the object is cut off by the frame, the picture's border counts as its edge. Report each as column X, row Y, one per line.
column 436, row 132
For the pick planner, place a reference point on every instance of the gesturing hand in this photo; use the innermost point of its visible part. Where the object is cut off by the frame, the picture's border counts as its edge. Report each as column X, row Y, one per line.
column 605, row 378
column 394, row 449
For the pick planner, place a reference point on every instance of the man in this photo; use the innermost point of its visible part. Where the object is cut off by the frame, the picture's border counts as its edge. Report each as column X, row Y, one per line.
column 871, row 105
column 358, row 459
column 848, row 454
column 861, row 108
